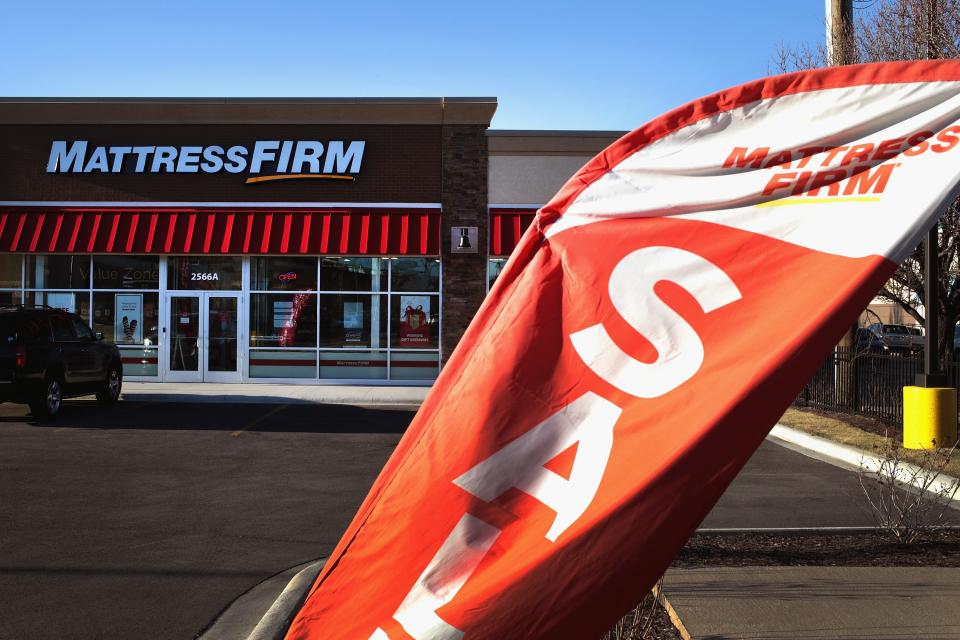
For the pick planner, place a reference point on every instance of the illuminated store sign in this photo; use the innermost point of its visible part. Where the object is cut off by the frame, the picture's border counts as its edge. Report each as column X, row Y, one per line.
column 265, row 161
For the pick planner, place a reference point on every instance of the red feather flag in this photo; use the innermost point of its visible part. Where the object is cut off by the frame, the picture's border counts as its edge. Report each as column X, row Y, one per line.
column 651, row 327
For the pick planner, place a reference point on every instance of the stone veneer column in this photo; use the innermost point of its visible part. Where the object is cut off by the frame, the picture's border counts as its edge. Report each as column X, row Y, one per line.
column 464, row 202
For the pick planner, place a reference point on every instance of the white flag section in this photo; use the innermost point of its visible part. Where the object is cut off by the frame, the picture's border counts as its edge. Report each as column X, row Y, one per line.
column 651, row 327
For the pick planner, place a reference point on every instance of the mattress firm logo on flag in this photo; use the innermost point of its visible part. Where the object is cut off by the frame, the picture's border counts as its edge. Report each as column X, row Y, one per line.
column 264, row 161
column 856, row 173
column 648, row 331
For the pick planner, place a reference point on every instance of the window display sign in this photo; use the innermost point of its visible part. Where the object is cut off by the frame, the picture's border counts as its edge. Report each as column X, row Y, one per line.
column 63, row 301
column 286, row 318
column 414, row 320
column 352, row 321
column 128, row 318
column 282, row 313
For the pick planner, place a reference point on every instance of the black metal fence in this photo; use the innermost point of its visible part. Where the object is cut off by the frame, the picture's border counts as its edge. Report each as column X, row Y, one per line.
column 865, row 383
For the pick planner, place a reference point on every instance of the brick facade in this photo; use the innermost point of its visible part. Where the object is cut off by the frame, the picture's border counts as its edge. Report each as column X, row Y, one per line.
column 464, row 200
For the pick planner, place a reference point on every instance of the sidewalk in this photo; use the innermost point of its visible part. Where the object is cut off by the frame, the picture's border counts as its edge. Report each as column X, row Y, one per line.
column 777, row 603
column 811, row 602
column 273, row 393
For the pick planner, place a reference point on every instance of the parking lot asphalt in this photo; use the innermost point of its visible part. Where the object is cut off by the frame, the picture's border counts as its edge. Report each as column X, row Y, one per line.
column 146, row 519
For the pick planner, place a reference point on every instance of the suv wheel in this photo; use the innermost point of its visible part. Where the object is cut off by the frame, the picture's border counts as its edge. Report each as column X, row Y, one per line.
column 110, row 392
column 48, row 404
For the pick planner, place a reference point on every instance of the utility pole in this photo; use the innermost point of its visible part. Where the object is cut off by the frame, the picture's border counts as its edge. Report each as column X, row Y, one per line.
column 839, row 38
column 932, row 375
column 930, row 406
column 840, row 42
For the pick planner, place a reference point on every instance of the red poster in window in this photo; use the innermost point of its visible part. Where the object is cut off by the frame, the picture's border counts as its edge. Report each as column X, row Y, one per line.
column 288, row 332
column 652, row 325
column 415, row 321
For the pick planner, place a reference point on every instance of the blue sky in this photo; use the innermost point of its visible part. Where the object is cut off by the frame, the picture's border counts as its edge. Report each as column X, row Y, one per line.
column 553, row 65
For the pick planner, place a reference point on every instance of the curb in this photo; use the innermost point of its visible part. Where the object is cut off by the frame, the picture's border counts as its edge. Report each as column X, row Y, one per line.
column 848, row 457
column 187, row 398
column 407, row 396
column 274, row 623
column 672, row 613
column 242, row 619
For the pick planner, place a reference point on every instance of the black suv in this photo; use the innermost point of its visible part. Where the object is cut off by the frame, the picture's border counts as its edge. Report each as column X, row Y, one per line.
column 47, row 355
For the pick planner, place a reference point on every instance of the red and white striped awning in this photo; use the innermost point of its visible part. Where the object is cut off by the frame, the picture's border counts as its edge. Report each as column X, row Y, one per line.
column 506, row 227
column 222, row 231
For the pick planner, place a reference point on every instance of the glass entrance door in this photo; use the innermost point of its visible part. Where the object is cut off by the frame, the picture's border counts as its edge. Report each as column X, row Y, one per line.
column 221, row 362
column 204, row 337
column 184, row 342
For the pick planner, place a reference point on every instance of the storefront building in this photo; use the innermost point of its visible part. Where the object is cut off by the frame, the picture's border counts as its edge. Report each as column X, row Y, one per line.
column 274, row 240
column 527, row 168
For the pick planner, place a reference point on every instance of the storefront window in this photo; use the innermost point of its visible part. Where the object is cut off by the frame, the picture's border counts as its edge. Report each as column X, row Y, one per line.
column 126, row 272
column 127, row 318
column 131, row 321
column 58, row 272
column 10, row 271
column 414, row 365
column 204, row 273
column 283, row 320
column 353, row 274
column 283, row 274
column 9, row 298
column 72, row 301
column 350, row 317
column 494, row 267
column 353, row 365
column 352, row 320
column 415, row 322
column 283, row 363
column 415, row 274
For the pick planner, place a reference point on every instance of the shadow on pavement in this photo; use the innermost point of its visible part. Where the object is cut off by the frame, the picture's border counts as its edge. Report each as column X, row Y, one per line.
column 233, row 417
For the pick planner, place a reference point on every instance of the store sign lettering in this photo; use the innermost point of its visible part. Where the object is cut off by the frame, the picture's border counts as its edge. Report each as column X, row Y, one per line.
column 127, row 276
column 266, row 160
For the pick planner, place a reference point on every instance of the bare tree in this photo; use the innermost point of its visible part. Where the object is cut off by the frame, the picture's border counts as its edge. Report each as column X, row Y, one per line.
column 886, row 30
column 908, row 501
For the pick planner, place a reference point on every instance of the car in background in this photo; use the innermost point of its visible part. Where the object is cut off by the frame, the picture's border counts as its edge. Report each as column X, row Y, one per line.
column 895, row 336
column 917, row 340
column 47, row 355
column 868, row 341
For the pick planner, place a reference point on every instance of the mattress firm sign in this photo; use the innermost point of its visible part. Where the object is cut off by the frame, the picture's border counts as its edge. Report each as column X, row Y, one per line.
column 264, row 161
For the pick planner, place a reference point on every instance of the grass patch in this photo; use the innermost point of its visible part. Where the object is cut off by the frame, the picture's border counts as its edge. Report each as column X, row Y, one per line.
column 839, row 430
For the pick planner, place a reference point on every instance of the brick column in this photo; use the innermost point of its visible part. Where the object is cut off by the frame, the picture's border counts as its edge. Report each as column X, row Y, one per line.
column 464, row 201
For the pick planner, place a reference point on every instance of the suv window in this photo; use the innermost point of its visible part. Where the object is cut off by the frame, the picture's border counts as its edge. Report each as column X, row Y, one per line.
column 81, row 329
column 62, row 328
column 34, row 329
column 8, row 329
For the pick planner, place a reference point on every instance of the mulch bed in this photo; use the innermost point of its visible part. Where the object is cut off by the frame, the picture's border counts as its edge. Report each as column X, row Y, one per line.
column 654, row 624
column 858, row 549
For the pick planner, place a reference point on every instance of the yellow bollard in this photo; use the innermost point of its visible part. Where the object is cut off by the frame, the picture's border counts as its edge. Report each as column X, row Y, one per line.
column 929, row 417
